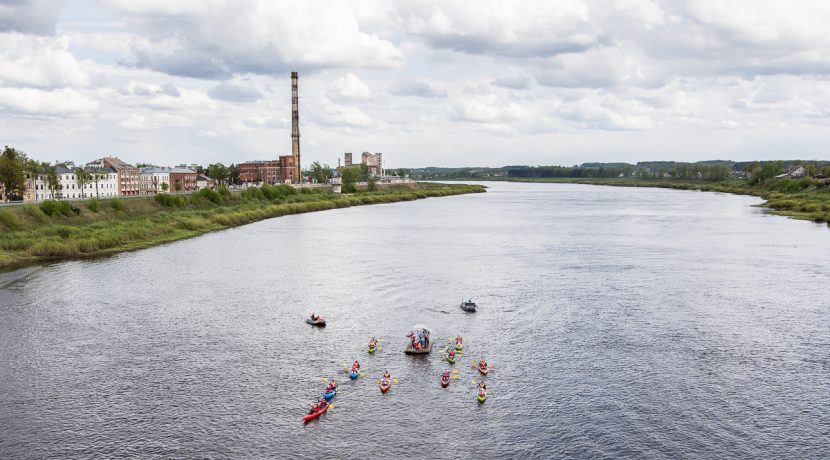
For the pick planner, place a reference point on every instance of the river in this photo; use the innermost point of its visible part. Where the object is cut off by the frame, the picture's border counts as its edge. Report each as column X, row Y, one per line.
column 620, row 322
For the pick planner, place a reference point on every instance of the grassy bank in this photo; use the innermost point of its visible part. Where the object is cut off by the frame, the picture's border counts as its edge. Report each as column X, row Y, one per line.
column 61, row 230
column 801, row 199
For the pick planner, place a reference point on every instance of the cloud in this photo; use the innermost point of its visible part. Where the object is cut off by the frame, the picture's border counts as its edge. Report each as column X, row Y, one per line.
column 213, row 39
column 523, row 28
column 349, row 87
column 607, row 112
column 62, row 102
column 140, row 122
column 29, row 16
column 514, row 79
column 232, row 92
column 337, row 115
column 489, row 109
column 41, row 62
column 407, row 87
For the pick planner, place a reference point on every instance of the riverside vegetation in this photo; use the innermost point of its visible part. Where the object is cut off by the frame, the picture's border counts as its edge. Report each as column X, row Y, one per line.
column 804, row 198
column 61, row 229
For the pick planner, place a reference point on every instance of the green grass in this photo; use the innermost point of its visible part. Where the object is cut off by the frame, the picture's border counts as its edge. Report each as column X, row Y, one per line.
column 61, row 230
column 800, row 199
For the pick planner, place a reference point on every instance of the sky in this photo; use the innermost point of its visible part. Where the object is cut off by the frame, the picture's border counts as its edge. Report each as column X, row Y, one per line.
column 428, row 83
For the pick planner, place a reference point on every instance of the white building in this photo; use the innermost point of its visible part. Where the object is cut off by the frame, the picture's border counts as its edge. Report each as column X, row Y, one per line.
column 100, row 183
column 150, row 180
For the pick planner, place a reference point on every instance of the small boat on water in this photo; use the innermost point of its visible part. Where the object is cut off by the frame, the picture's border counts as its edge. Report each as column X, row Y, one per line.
column 419, row 342
column 469, row 306
column 330, row 394
column 354, row 374
column 385, row 384
column 451, row 358
column 481, row 396
column 445, row 379
column 483, row 370
column 316, row 320
column 372, row 347
column 315, row 414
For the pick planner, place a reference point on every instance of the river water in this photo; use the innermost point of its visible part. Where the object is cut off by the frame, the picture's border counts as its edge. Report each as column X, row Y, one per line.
column 620, row 323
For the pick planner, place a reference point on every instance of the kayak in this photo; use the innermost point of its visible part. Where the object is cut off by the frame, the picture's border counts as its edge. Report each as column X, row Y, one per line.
column 314, row 415
column 319, row 323
column 481, row 397
column 451, row 359
column 445, row 380
column 354, row 375
column 483, row 370
column 458, row 347
column 384, row 385
column 372, row 348
column 328, row 396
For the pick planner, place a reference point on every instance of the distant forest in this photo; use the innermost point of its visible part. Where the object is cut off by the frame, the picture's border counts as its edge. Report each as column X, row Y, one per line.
column 712, row 170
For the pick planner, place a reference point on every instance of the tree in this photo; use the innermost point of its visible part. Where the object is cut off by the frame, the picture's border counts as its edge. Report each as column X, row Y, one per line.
column 321, row 173
column 164, row 186
column 177, row 185
column 349, row 178
column 812, row 169
column 218, row 172
column 371, row 184
column 52, row 181
column 233, row 174
column 11, row 173
column 83, row 178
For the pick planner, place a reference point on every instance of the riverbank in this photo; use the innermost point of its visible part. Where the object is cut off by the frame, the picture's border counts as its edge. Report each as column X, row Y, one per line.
column 803, row 199
column 53, row 230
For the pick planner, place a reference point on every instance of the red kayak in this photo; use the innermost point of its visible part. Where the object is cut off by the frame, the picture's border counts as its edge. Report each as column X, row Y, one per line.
column 384, row 385
column 314, row 415
column 445, row 380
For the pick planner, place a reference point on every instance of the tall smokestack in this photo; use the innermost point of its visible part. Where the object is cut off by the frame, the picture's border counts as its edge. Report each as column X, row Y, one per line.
column 295, row 125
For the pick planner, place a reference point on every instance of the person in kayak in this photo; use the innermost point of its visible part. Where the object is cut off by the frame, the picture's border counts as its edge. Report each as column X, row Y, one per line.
column 386, row 374
column 333, row 384
column 451, row 353
column 458, row 340
column 355, row 366
column 482, row 364
column 482, row 386
column 315, row 317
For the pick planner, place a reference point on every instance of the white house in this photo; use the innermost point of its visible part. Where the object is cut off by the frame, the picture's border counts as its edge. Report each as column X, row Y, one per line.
column 101, row 183
column 150, row 180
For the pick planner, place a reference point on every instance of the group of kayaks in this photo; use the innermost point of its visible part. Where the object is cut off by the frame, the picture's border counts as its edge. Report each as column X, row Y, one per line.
column 385, row 383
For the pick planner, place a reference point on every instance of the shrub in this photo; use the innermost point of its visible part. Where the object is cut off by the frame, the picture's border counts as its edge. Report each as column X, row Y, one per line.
column 93, row 205
column 8, row 219
column 51, row 208
column 223, row 191
column 117, row 204
column 169, row 201
column 210, row 195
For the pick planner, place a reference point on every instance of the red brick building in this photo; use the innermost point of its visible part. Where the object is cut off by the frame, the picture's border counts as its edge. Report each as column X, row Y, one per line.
column 256, row 172
column 183, row 180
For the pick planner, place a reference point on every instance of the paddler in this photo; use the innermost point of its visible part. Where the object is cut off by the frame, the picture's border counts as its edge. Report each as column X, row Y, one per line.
column 386, row 374
column 355, row 366
column 482, row 364
column 452, row 353
column 458, row 340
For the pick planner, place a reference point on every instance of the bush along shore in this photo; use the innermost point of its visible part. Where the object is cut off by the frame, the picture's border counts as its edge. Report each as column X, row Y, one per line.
column 53, row 230
column 805, row 199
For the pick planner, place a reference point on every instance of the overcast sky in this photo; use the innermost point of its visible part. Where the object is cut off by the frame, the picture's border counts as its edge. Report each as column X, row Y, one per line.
column 428, row 83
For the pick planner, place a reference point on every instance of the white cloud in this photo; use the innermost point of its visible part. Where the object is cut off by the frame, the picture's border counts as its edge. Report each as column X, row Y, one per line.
column 213, row 38
column 62, row 102
column 337, row 115
column 140, row 122
column 349, row 87
column 42, row 62
column 489, row 109
column 517, row 28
